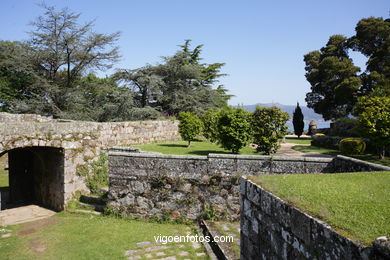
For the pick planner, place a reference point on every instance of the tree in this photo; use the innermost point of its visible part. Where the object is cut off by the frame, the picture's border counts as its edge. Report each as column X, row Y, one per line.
column 234, row 129
column 144, row 82
column 372, row 39
column 374, row 121
column 190, row 126
column 269, row 126
column 333, row 79
column 210, row 124
column 19, row 82
column 62, row 51
column 188, row 84
column 298, row 122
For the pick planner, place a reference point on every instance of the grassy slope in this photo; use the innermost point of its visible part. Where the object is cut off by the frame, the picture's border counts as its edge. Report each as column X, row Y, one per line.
column 357, row 204
column 77, row 236
column 196, row 148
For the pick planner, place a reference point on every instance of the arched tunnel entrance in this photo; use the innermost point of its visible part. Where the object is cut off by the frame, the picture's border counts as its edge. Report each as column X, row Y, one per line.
column 36, row 176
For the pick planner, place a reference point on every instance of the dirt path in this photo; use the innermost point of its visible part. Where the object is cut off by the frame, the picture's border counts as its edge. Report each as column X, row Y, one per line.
column 286, row 150
column 23, row 214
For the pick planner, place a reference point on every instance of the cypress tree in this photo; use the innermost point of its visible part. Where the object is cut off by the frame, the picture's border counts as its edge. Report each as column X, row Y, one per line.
column 298, row 121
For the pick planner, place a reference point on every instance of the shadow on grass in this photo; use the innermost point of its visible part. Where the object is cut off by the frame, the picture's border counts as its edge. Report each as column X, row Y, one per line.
column 173, row 145
column 315, row 149
column 206, row 152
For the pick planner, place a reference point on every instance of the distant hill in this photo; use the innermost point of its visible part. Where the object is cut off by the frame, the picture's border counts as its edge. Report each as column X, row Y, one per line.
column 308, row 113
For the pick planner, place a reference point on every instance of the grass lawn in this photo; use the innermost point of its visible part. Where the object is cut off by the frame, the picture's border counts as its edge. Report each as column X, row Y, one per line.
column 81, row 236
column 3, row 173
column 365, row 157
column 196, row 148
column 295, row 140
column 355, row 204
column 308, row 149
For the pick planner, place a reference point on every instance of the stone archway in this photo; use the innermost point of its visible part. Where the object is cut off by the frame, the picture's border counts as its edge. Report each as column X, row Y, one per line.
column 36, row 176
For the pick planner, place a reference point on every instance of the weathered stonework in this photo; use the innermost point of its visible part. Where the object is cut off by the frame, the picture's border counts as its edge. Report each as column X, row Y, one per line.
column 81, row 142
column 157, row 185
column 272, row 229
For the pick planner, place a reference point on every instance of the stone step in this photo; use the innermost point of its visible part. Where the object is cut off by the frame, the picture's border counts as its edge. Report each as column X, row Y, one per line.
column 95, row 207
column 93, row 200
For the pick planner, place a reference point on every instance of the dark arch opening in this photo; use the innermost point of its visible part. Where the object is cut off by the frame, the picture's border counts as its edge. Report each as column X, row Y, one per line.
column 36, row 176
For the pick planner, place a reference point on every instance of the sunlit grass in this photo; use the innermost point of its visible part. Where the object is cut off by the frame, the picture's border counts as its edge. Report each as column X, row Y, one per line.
column 357, row 203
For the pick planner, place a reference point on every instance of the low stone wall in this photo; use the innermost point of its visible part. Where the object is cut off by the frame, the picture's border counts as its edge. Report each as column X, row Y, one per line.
column 157, row 185
column 347, row 164
column 272, row 229
column 8, row 117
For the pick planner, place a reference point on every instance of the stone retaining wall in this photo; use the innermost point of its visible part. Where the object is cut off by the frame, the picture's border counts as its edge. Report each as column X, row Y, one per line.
column 272, row 229
column 82, row 142
column 157, row 185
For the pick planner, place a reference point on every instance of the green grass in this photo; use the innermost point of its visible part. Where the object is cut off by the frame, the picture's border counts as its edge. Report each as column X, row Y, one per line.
column 3, row 173
column 80, row 236
column 365, row 157
column 356, row 204
column 295, row 140
column 196, row 148
column 309, row 149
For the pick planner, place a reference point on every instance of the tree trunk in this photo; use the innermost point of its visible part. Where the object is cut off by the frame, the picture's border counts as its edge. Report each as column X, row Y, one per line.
column 382, row 151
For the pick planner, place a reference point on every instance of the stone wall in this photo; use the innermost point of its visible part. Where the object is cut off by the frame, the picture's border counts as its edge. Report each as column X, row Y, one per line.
column 8, row 117
column 156, row 185
column 272, row 229
column 82, row 142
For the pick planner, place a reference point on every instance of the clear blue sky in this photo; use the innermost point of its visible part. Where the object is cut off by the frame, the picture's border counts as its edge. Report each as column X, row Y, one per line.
column 261, row 42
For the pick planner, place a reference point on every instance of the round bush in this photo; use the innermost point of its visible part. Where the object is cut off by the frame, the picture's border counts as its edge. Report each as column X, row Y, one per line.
column 352, row 145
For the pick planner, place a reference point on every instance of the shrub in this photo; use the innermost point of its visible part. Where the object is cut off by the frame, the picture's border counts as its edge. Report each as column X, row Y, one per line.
column 352, row 145
column 190, row 126
column 210, row 125
column 322, row 140
column 234, row 129
column 269, row 126
column 99, row 176
column 374, row 121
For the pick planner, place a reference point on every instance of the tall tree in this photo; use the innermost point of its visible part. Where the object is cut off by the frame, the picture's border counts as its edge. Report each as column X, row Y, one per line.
column 188, row 83
column 144, row 82
column 333, row 79
column 19, row 82
column 298, row 122
column 63, row 51
column 372, row 39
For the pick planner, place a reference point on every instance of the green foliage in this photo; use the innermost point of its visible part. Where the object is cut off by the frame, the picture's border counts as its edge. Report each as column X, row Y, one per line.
column 269, row 126
column 374, row 121
column 99, row 176
column 352, row 146
column 190, row 126
column 372, row 39
column 345, row 127
column 188, row 83
column 234, row 129
column 335, row 85
column 333, row 79
column 210, row 124
column 144, row 82
column 298, row 122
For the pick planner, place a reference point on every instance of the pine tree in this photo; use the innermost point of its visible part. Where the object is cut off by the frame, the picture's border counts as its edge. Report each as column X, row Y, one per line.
column 298, row 121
